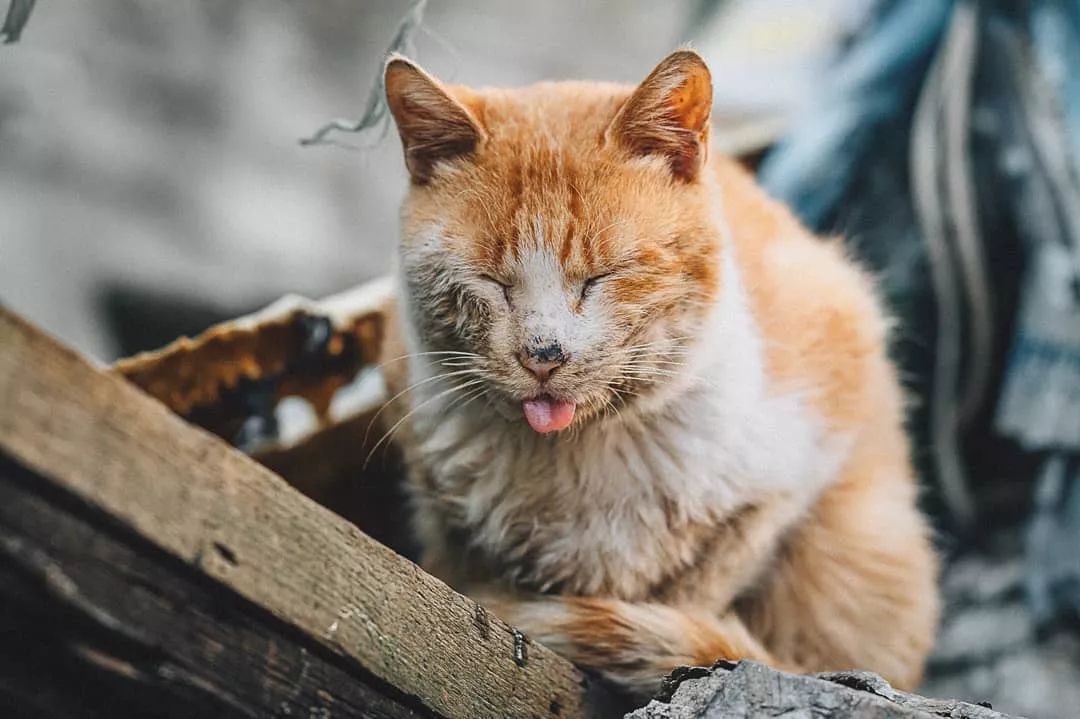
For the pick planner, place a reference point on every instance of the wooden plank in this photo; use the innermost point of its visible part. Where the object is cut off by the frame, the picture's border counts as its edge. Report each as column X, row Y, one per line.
column 96, row 622
column 331, row 466
column 191, row 495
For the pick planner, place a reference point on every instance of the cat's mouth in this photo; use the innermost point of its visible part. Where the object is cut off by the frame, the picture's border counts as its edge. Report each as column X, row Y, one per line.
column 545, row 413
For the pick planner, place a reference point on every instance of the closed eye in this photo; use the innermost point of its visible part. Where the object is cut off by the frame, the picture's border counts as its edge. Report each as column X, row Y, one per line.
column 592, row 282
column 505, row 287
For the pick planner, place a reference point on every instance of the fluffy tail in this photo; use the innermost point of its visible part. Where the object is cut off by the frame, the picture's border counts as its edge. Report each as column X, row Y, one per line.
column 634, row 645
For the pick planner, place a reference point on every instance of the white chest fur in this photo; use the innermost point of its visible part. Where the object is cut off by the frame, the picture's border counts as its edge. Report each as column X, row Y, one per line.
column 612, row 507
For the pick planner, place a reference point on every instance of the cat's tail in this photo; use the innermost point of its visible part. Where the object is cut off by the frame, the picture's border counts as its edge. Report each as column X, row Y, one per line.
column 632, row 644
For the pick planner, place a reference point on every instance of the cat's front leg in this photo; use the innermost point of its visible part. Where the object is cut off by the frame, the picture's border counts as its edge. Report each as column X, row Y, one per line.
column 632, row 644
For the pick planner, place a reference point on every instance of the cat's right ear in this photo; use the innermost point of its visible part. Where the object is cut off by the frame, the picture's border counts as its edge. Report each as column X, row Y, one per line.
column 668, row 114
column 434, row 127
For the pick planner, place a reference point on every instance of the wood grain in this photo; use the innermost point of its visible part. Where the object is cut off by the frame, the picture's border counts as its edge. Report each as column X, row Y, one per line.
column 191, row 495
column 96, row 622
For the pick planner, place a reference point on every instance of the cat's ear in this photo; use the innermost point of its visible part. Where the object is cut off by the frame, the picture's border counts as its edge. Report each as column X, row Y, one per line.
column 668, row 114
column 434, row 127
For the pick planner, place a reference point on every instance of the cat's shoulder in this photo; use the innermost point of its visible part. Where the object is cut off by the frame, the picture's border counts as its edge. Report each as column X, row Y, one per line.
column 823, row 326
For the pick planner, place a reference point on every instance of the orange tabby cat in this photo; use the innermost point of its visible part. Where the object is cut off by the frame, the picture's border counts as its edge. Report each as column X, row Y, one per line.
column 651, row 419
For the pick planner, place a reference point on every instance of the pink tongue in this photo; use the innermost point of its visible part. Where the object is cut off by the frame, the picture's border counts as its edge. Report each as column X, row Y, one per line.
column 547, row 414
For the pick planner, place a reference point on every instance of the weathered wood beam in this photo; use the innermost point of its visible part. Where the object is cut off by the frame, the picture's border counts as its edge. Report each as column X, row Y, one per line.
column 96, row 621
column 92, row 437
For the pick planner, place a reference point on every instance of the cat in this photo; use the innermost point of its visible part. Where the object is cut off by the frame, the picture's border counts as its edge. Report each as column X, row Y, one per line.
column 648, row 418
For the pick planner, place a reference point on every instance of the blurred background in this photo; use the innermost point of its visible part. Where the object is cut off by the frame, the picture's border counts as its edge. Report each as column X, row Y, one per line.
column 152, row 183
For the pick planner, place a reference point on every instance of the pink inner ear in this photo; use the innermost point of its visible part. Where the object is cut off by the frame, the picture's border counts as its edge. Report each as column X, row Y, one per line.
column 691, row 104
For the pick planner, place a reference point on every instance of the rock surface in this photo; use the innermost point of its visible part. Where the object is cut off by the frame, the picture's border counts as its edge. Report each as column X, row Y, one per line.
column 748, row 689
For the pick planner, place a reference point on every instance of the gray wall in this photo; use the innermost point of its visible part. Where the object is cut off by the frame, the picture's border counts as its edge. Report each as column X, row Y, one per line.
column 154, row 143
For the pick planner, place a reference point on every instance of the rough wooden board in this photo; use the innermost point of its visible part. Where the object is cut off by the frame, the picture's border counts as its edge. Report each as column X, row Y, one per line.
column 96, row 622
column 331, row 466
column 748, row 689
column 201, row 501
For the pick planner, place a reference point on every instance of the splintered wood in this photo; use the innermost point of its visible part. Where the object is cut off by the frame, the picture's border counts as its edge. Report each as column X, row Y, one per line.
column 294, row 347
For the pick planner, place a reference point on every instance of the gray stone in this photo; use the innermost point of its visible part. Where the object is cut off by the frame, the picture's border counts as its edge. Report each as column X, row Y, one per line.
column 748, row 689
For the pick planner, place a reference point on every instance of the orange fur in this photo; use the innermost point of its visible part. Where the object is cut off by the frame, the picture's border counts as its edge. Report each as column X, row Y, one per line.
column 618, row 186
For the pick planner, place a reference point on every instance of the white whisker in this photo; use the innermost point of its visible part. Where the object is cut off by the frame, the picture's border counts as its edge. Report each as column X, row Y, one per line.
column 416, row 355
column 414, row 410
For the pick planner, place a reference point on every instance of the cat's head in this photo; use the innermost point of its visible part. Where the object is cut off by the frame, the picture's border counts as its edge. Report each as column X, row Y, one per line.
column 559, row 247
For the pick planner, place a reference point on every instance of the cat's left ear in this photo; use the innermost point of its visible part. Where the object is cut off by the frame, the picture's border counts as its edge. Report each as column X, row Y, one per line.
column 668, row 114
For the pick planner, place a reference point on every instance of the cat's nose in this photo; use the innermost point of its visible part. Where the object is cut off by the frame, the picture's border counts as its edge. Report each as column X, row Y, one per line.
column 542, row 362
